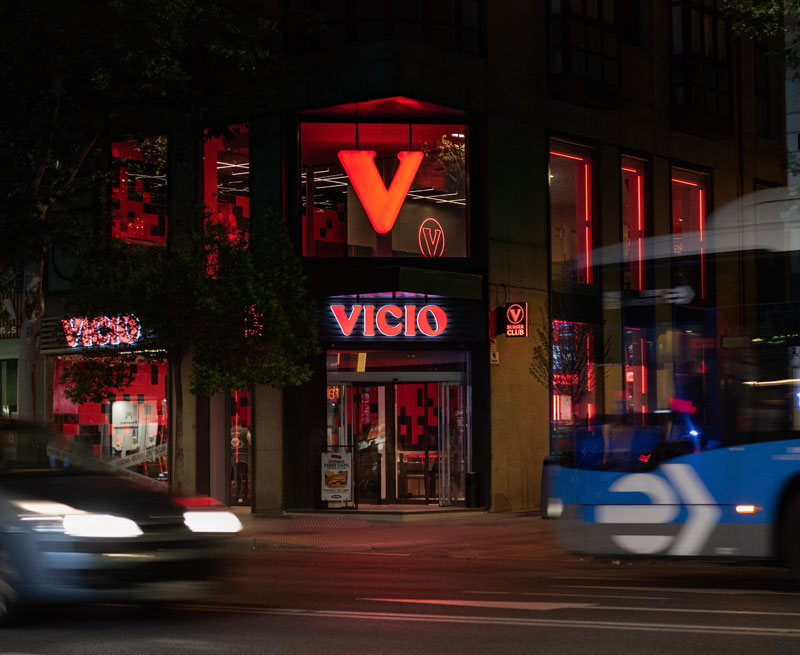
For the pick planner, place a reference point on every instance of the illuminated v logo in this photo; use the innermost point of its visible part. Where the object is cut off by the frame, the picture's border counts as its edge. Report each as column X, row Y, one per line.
column 515, row 314
column 381, row 204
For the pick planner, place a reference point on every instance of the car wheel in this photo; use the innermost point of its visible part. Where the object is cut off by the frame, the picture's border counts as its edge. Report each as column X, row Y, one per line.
column 8, row 595
column 790, row 536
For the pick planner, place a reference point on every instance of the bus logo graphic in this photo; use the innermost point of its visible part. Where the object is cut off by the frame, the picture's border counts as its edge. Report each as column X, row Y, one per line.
column 431, row 238
column 703, row 512
column 381, row 204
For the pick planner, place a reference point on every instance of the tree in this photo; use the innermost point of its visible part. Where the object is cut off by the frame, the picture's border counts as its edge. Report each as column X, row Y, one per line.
column 234, row 303
column 77, row 74
column 770, row 21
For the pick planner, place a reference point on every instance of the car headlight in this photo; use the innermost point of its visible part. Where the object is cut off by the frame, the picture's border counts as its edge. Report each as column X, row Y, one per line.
column 100, row 525
column 212, row 522
column 46, row 516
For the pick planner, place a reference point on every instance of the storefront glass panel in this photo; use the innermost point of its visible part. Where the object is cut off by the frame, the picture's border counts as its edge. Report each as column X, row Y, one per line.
column 403, row 419
column 126, row 433
column 241, row 448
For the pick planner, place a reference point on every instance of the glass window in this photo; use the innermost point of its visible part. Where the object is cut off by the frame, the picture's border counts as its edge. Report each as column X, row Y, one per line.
column 571, row 212
column 139, row 190
column 226, row 179
column 383, row 190
column 126, row 432
column 241, row 448
column 573, row 372
column 689, row 234
column 634, row 223
column 8, row 388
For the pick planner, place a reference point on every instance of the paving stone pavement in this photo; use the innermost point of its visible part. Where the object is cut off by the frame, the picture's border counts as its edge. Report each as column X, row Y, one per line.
column 474, row 534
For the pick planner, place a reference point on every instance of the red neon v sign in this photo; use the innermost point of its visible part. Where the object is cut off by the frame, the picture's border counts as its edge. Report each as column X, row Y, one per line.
column 381, row 204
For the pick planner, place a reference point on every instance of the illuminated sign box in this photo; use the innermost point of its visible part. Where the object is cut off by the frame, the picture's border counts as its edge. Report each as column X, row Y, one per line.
column 512, row 319
column 120, row 330
column 406, row 318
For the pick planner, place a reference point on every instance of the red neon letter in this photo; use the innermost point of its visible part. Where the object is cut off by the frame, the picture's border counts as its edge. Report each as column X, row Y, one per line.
column 72, row 330
column 369, row 320
column 382, row 323
column 382, row 205
column 423, row 322
column 346, row 323
column 102, row 330
column 411, row 320
column 128, row 328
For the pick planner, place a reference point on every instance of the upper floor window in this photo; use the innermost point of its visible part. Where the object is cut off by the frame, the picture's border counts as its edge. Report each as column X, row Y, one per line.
column 768, row 85
column 583, row 43
column 226, row 179
column 635, row 222
column 571, row 227
column 690, row 236
column 139, row 190
column 453, row 24
column 384, row 190
column 701, row 70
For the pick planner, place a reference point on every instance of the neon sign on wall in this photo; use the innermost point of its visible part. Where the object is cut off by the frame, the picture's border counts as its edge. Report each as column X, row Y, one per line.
column 391, row 320
column 123, row 329
column 381, row 204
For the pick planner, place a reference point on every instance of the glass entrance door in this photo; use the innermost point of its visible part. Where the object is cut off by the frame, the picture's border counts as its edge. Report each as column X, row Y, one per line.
column 357, row 427
column 432, row 439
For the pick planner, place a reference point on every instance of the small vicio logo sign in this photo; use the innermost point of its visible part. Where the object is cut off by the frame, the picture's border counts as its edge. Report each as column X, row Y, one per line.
column 516, row 320
column 431, row 238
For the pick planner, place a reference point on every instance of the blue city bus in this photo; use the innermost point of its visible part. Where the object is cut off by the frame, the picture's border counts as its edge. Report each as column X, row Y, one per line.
column 714, row 470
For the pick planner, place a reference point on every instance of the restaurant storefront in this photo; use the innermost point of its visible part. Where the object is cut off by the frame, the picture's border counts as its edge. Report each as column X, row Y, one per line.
column 398, row 399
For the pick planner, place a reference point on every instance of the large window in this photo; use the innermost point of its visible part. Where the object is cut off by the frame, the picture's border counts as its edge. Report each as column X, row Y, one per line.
column 689, row 233
column 139, row 190
column 226, row 179
column 126, row 432
column 456, row 24
column 701, row 71
column 634, row 223
column 571, row 212
column 384, row 190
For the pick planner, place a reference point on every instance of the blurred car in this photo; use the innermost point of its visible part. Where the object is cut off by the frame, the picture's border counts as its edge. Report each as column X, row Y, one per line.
column 82, row 533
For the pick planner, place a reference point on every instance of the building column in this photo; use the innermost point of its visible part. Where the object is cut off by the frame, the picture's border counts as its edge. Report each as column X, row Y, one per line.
column 267, row 450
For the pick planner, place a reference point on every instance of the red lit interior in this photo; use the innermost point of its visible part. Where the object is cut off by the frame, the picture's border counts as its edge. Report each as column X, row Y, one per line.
column 139, row 192
column 634, row 222
column 89, row 427
column 571, row 206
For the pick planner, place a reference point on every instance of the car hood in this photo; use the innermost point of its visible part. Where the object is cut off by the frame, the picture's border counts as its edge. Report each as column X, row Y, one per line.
column 95, row 493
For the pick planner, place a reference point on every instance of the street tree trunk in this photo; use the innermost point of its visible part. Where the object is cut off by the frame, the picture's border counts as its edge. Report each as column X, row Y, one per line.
column 30, row 338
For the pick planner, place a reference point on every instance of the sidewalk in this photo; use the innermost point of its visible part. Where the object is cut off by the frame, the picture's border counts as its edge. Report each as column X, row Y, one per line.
column 461, row 533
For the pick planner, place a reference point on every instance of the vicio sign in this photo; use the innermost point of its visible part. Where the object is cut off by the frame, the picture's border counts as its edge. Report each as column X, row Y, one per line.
column 123, row 329
column 391, row 320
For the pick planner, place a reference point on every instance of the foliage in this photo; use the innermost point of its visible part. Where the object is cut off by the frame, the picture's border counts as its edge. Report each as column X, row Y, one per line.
column 92, row 379
column 769, row 21
column 236, row 305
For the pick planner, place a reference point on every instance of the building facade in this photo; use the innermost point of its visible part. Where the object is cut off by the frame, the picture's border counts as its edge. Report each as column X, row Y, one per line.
column 440, row 165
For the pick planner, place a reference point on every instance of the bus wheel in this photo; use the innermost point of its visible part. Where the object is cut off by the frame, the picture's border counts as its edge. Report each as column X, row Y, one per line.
column 790, row 536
